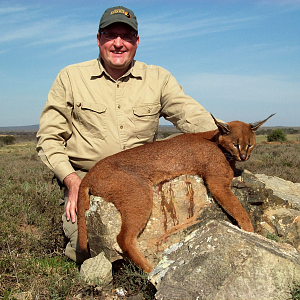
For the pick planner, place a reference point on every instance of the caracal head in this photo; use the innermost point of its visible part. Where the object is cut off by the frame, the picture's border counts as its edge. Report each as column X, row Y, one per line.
column 237, row 139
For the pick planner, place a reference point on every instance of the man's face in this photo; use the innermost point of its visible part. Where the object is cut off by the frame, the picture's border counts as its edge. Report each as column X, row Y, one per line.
column 117, row 54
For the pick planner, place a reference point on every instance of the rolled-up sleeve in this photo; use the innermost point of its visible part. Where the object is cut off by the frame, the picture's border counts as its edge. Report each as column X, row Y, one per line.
column 182, row 110
column 56, row 128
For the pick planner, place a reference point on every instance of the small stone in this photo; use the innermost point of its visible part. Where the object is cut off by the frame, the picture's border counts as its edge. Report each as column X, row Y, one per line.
column 22, row 296
column 97, row 270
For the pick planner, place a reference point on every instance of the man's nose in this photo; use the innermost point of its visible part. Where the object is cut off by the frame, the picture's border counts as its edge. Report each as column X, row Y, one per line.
column 118, row 42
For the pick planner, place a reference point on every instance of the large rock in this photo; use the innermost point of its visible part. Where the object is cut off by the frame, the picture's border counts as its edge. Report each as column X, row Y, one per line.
column 281, row 210
column 281, row 188
column 179, row 206
column 184, row 205
column 220, row 261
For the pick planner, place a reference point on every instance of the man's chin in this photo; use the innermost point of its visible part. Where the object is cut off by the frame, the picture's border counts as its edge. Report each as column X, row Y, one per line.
column 119, row 65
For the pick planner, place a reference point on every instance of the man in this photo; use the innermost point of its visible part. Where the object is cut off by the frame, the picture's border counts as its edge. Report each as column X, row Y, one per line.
column 100, row 107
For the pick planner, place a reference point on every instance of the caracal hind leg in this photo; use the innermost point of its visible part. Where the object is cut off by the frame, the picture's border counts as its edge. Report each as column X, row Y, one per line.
column 230, row 203
column 135, row 214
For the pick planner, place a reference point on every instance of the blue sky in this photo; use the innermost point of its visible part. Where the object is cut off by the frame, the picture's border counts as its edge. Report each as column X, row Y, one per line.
column 239, row 59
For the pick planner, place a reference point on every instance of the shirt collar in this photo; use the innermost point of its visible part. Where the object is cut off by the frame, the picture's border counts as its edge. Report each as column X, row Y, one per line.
column 99, row 70
column 135, row 70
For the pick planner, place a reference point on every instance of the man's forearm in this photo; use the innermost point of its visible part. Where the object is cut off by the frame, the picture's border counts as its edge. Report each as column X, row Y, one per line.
column 72, row 183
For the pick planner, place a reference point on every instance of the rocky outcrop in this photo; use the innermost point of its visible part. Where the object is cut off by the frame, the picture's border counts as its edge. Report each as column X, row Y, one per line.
column 184, row 205
column 179, row 206
column 220, row 261
column 281, row 188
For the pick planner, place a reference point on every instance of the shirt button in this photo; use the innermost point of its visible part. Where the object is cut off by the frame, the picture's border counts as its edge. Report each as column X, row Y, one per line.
column 121, row 127
column 124, row 147
column 118, row 85
column 119, row 106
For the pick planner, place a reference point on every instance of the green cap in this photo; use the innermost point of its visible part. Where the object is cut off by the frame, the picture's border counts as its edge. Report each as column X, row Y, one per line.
column 118, row 14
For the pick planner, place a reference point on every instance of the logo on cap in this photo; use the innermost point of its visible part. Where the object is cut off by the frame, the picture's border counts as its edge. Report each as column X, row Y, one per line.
column 121, row 11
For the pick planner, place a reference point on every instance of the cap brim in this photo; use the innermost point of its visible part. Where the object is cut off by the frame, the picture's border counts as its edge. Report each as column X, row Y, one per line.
column 105, row 24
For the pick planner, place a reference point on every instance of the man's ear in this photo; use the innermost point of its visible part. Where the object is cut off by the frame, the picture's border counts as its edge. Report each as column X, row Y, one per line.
column 98, row 39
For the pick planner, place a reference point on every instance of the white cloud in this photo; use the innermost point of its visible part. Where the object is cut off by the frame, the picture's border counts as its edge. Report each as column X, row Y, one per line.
column 248, row 98
column 285, row 3
column 10, row 10
column 38, row 29
column 243, row 88
column 177, row 26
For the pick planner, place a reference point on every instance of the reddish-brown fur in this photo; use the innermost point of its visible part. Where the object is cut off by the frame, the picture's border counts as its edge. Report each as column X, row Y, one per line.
column 126, row 179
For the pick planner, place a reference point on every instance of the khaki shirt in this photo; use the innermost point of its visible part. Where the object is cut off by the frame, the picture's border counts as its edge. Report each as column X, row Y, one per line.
column 89, row 115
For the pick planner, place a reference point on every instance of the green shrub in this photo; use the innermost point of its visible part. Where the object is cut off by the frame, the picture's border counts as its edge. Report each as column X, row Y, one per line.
column 166, row 134
column 272, row 236
column 277, row 135
column 280, row 160
column 295, row 291
column 7, row 140
column 133, row 280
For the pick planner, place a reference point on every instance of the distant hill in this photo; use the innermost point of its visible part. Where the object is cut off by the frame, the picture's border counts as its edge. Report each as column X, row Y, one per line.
column 163, row 128
column 29, row 128
column 35, row 128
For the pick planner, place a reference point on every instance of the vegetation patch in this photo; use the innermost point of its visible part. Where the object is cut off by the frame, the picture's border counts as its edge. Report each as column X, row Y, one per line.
column 277, row 135
column 281, row 160
column 32, row 263
column 295, row 291
column 132, row 280
column 7, row 140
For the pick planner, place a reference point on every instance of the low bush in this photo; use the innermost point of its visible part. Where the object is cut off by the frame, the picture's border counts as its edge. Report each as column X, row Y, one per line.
column 295, row 291
column 282, row 160
column 7, row 140
column 133, row 280
column 277, row 135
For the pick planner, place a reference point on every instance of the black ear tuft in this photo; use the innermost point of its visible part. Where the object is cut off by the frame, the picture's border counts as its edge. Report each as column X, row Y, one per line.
column 254, row 126
column 223, row 127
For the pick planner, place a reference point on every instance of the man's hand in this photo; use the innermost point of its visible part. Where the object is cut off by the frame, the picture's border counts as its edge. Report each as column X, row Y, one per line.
column 72, row 182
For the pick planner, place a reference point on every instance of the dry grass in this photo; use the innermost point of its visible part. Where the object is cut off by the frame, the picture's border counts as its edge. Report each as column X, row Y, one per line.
column 32, row 263
column 290, row 137
column 275, row 159
column 31, row 238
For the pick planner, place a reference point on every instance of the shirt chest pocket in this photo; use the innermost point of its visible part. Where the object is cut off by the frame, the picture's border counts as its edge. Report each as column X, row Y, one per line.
column 92, row 119
column 146, row 119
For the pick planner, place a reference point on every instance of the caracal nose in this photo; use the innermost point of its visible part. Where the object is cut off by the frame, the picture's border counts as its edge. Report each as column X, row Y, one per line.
column 243, row 157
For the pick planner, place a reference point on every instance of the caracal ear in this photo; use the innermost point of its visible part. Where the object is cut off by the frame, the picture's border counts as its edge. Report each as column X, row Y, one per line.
column 223, row 127
column 254, row 126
